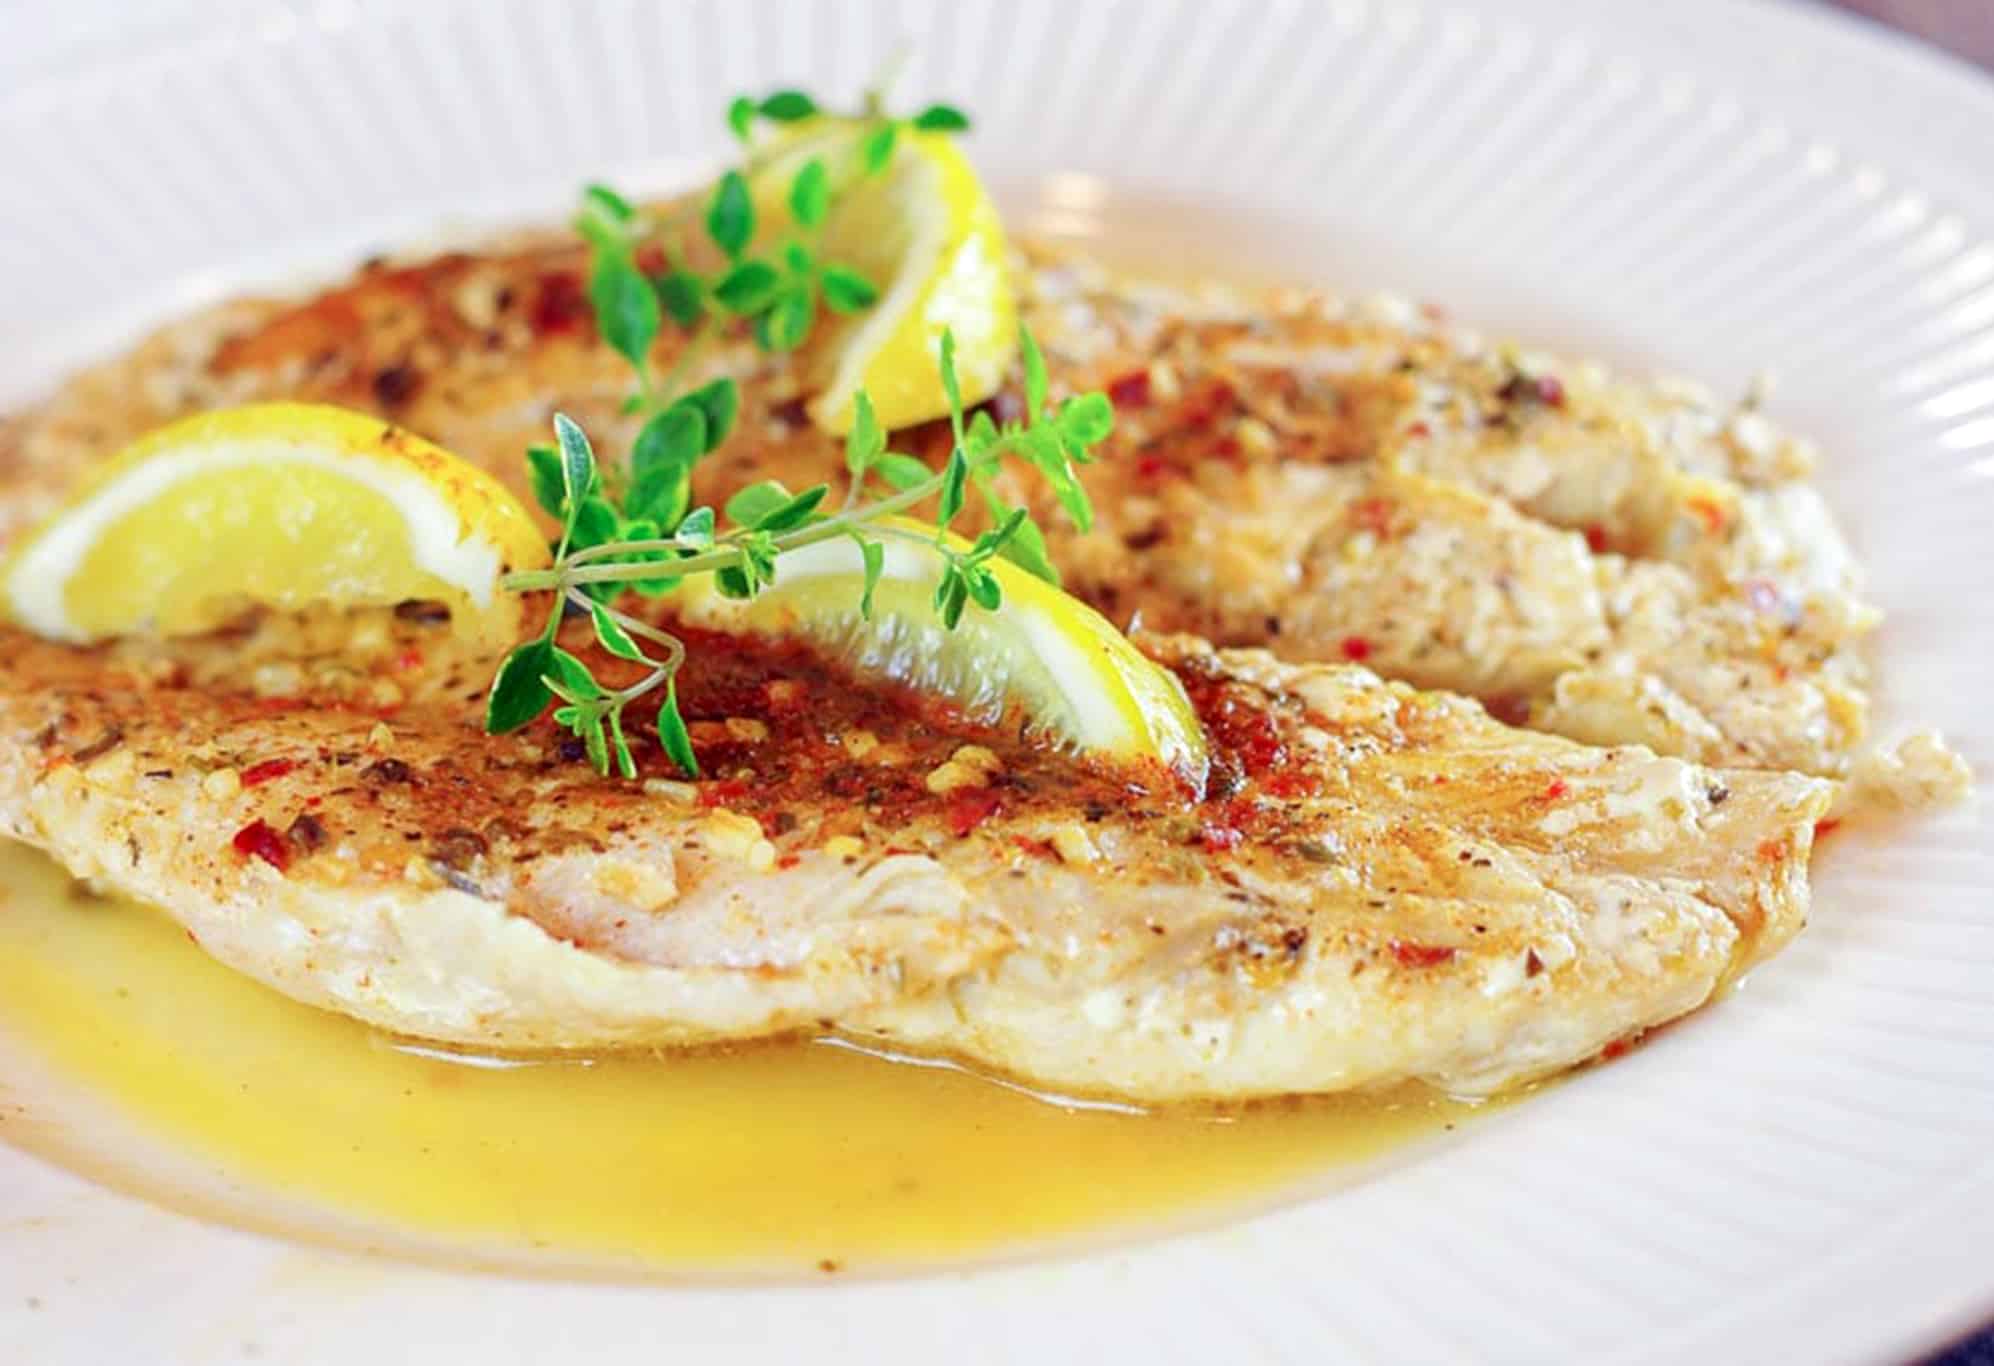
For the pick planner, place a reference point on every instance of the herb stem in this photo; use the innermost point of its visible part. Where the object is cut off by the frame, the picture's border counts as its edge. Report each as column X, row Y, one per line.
column 584, row 567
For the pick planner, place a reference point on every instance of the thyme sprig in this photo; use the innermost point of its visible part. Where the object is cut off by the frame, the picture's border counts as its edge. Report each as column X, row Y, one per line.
column 636, row 528
column 763, row 522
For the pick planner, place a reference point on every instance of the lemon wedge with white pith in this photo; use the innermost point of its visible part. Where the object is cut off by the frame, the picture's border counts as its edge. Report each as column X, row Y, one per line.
column 1073, row 674
column 924, row 231
column 277, row 504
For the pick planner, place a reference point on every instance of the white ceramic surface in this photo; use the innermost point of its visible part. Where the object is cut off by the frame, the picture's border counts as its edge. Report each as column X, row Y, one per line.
column 1803, row 1173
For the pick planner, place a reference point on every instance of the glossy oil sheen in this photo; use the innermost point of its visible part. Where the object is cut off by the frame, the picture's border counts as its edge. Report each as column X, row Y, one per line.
column 763, row 1160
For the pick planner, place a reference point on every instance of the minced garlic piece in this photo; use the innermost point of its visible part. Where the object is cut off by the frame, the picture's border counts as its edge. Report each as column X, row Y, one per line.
column 859, row 743
column 222, row 784
column 1255, row 437
column 969, row 766
column 1074, row 845
column 729, row 834
column 746, row 730
column 380, row 737
column 844, row 846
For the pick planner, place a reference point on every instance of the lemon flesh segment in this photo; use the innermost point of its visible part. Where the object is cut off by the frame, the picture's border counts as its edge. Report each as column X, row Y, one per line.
column 927, row 235
column 1074, row 676
column 283, row 505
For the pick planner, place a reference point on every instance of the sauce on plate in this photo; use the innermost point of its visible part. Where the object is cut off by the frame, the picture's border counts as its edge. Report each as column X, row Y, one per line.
column 129, row 1054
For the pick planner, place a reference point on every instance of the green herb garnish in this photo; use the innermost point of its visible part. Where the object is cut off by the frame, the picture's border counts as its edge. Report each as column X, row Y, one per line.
column 762, row 523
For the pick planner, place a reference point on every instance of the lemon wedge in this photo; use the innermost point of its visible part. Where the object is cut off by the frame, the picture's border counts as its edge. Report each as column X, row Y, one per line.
column 281, row 504
column 1073, row 674
column 926, row 233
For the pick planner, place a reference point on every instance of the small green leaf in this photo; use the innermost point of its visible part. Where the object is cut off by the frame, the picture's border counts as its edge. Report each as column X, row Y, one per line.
column 902, row 471
column 955, row 478
column 941, row 118
column 951, row 594
column 734, row 582
column 696, row 531
column 741, row 116
column 874, row 556
column 1027, row 550
column 1035, row 379
column 787, row 106
column 661, row 463
column 626, row 306
column 984, row 590
column 981, row 434
column 995, row 539
column 625, row 764
column 577, row 465
column 672, row 733
column 751, row 504
column 573, row 675
column 810, row 193
column 607, row 202
column 865, row 441
column 596, row 523
column 720, row 400
column 684, row 296
column 517, row 695
column 793, row 513
column 877, row 149
column 543, row 464
column 614, row 638
column 847, row 291
column 1087, row 418
column 748, row 287
column 787, row 322
column 730, row 217
column 590, row 730
column 949, row 384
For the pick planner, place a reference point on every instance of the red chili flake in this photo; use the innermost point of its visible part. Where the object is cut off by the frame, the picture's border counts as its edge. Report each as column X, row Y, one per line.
column 1772, row 851
column 1596, row 539
column 651, row 260
column 1709, row 513
column 1556, row 790
column 1618, row 1048
column 408, row 660
column 560, row 305
column 969, row 808
column 1420, row 430
column 789, row 860
column 1152, row 467
column 258, row 840
column 257, row 774
column 1205, row 403
column 722, row 793
column 1822, row 829
column 1219, row 838
column 1036, row 848
column 1292, row 782
column 1373, row 515
column 1130, row 390
column 1356, row 649
column 1421, row 955
column 1550, row 391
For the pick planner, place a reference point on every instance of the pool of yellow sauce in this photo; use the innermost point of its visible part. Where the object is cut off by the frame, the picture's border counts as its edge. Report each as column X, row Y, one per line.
column 121, row 1037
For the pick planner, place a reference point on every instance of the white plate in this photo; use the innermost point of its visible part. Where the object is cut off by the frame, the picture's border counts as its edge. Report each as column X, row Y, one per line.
column 1804, row 1173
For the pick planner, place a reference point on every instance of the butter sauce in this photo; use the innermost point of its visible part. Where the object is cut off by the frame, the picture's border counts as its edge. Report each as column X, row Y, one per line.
column 126, row 1052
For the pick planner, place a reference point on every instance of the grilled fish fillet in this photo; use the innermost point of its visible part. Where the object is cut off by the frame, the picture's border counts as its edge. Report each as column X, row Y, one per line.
column 1382, row 883
column 1609, row 561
